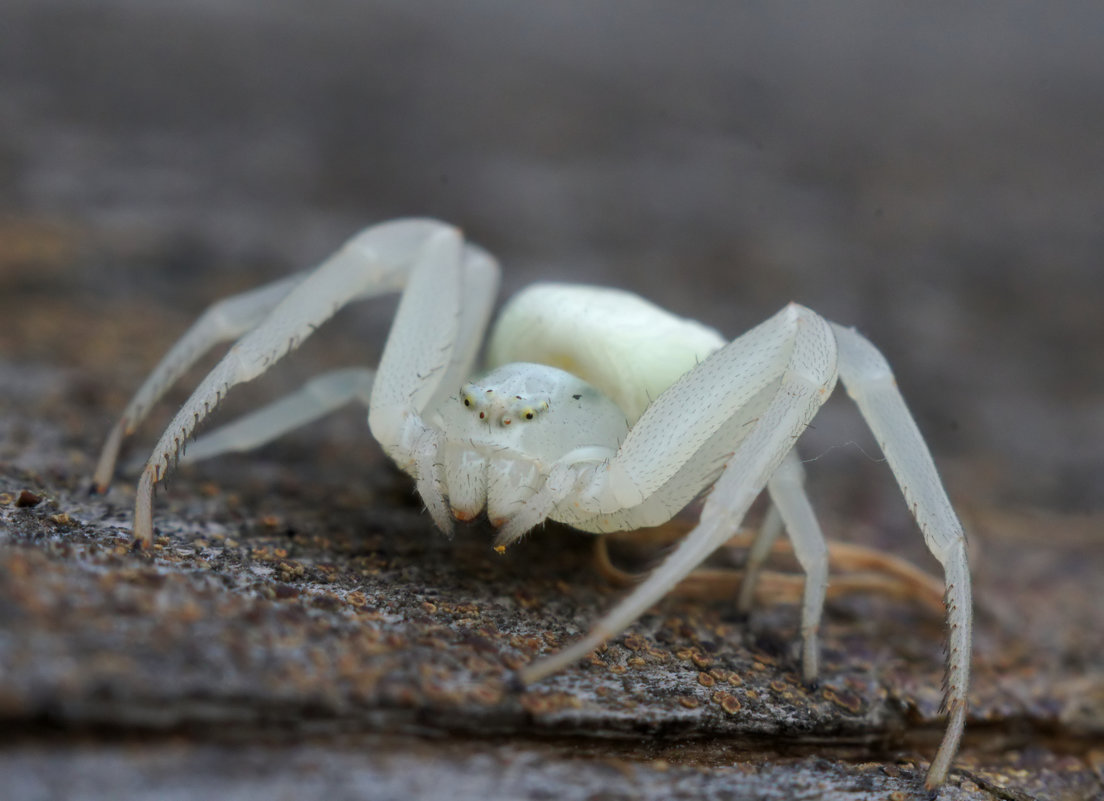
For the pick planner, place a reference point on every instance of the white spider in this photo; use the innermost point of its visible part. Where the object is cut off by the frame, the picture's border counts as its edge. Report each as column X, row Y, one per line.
column 601, row 411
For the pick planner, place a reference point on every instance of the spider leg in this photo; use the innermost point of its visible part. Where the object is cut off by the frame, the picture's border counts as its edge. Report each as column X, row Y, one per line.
column 224, row 321
column 869, row 381
column 231, row 317
column 431, row 348
column 315, row 399
column 434, row 338
column 787, row 491
column 805, row 367
column 756, row 556
column 371, row 263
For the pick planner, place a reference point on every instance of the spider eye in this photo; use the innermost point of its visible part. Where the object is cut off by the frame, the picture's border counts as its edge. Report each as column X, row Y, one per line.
column 468, row 396
column 527, row 410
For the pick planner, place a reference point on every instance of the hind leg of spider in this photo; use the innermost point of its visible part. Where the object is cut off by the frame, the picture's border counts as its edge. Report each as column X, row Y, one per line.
column 870, row 383
column 787, row 491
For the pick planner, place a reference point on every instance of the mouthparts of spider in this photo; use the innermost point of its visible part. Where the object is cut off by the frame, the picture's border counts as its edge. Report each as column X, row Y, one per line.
column 600, row 410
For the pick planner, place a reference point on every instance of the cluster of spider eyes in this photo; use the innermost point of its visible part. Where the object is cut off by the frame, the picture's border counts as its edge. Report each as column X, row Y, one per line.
column 487, row 404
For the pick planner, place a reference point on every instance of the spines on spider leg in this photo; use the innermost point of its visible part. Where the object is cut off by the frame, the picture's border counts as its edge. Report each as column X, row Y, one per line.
column 239, row 365
column 426, row 455
column 225, row 320
column 957, row 674
column 869, row 381
column 375, row 261
column 168, row 449
column 562, row 480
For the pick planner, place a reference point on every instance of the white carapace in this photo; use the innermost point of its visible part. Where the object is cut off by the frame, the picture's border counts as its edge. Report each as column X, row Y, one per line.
column 600, row 410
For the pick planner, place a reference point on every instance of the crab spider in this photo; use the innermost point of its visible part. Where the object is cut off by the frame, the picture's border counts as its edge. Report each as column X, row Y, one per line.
column 600, row 410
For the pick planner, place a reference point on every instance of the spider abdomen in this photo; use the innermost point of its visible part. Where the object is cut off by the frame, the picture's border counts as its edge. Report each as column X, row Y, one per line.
column 628, row 348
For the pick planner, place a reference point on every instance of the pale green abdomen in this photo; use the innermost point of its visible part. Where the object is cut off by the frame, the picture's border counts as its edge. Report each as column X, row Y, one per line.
column 627, row 348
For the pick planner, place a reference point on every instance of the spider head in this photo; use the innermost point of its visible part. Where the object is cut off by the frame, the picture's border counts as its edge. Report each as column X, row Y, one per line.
column 503, row 432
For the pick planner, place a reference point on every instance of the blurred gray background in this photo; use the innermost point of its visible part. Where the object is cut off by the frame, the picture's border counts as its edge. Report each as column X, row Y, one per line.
column 933, row 174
